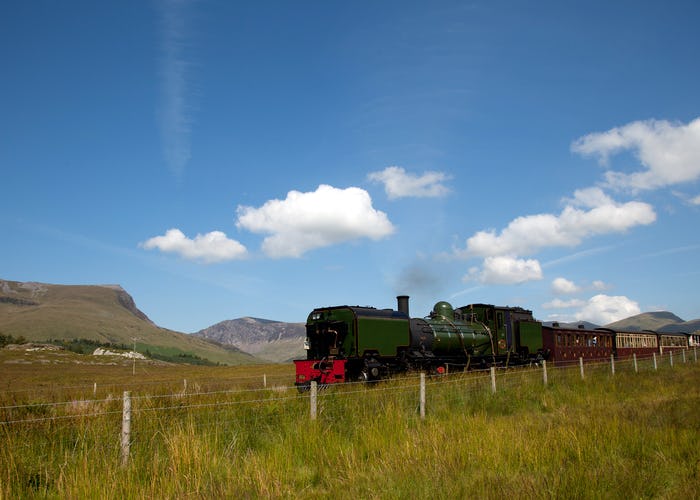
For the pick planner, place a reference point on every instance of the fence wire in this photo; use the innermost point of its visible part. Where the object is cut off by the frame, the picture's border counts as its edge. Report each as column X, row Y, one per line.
column 400, row 393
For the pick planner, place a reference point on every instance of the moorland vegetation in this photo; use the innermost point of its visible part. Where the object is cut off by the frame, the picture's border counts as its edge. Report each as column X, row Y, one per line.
column 247, row 432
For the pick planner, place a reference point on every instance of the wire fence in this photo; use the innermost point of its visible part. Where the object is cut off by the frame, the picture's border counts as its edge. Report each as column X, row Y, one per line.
column 9, row 413
column 150, row 414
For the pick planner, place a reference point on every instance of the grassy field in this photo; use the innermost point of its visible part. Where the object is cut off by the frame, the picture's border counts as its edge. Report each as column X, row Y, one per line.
column 223, row 434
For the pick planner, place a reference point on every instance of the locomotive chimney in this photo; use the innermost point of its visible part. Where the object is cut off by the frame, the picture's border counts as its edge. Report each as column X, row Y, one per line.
column 402, row 303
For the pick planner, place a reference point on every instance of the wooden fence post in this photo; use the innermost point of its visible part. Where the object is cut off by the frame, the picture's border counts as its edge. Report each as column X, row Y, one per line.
column 655, row 365
column 493, row 379
column 683, row 353
column 612, row 364
column 422, row 395
column 314, row 399
column 580, row 363
column 265, row 380
column 670, row 357
column 544, row 372
column 634, row 356
column 126, row 428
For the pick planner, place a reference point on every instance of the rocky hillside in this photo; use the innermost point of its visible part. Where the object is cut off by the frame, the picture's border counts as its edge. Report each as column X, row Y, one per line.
column 105, row 314
column 266, row 339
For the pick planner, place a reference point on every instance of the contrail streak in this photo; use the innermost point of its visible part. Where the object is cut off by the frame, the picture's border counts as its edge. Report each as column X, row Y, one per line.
column 175, row 113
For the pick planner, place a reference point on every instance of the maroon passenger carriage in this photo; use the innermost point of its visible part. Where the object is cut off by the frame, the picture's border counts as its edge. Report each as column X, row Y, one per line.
column 673, row 342
column 643, row 344
column 567, row 345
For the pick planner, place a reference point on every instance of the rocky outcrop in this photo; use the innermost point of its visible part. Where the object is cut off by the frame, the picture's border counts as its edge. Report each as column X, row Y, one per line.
column 271, row 340
column 100, row 351
column 127, row 301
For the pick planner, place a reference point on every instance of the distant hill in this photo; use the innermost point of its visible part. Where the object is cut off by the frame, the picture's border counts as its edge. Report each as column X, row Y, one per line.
column 686, row 326
column 663, row 321
column 659, row 321
column 266, row 339
column 107, row 314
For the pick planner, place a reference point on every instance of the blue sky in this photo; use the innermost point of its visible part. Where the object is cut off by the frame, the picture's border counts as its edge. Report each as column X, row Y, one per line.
column 229, row 159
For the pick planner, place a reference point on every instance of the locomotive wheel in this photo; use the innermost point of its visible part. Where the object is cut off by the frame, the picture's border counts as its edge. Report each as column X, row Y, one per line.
column 366, row 377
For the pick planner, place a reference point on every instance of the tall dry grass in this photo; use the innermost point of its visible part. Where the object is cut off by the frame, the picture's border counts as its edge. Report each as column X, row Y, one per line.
column 627, row 435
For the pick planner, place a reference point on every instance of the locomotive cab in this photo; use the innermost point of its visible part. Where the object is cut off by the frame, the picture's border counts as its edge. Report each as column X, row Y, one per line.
column 325, row 339
column 347, row 342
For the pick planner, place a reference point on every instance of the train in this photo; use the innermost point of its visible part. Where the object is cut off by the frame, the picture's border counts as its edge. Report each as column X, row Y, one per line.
column 362, row 343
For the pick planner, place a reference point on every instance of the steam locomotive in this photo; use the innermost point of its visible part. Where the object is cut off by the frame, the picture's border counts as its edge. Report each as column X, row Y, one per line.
column 353, row 343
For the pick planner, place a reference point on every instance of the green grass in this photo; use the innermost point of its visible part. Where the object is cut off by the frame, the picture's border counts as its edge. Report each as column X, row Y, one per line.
column 632, row 435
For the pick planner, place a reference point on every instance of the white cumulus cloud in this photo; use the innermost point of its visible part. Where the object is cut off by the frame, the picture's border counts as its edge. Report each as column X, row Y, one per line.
column 562, row 286
column 305, row 221
column 603, row 309
column 400, row 184
column 528, row 234
column 505, row 270
column 209, row 248
column 669, row 153
column 599, row 285
column 564, row 304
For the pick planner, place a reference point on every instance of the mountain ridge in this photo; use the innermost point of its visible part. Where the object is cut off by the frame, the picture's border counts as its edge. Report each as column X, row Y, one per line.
column 661, row 321
column 41, row 312
column 271, row 340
